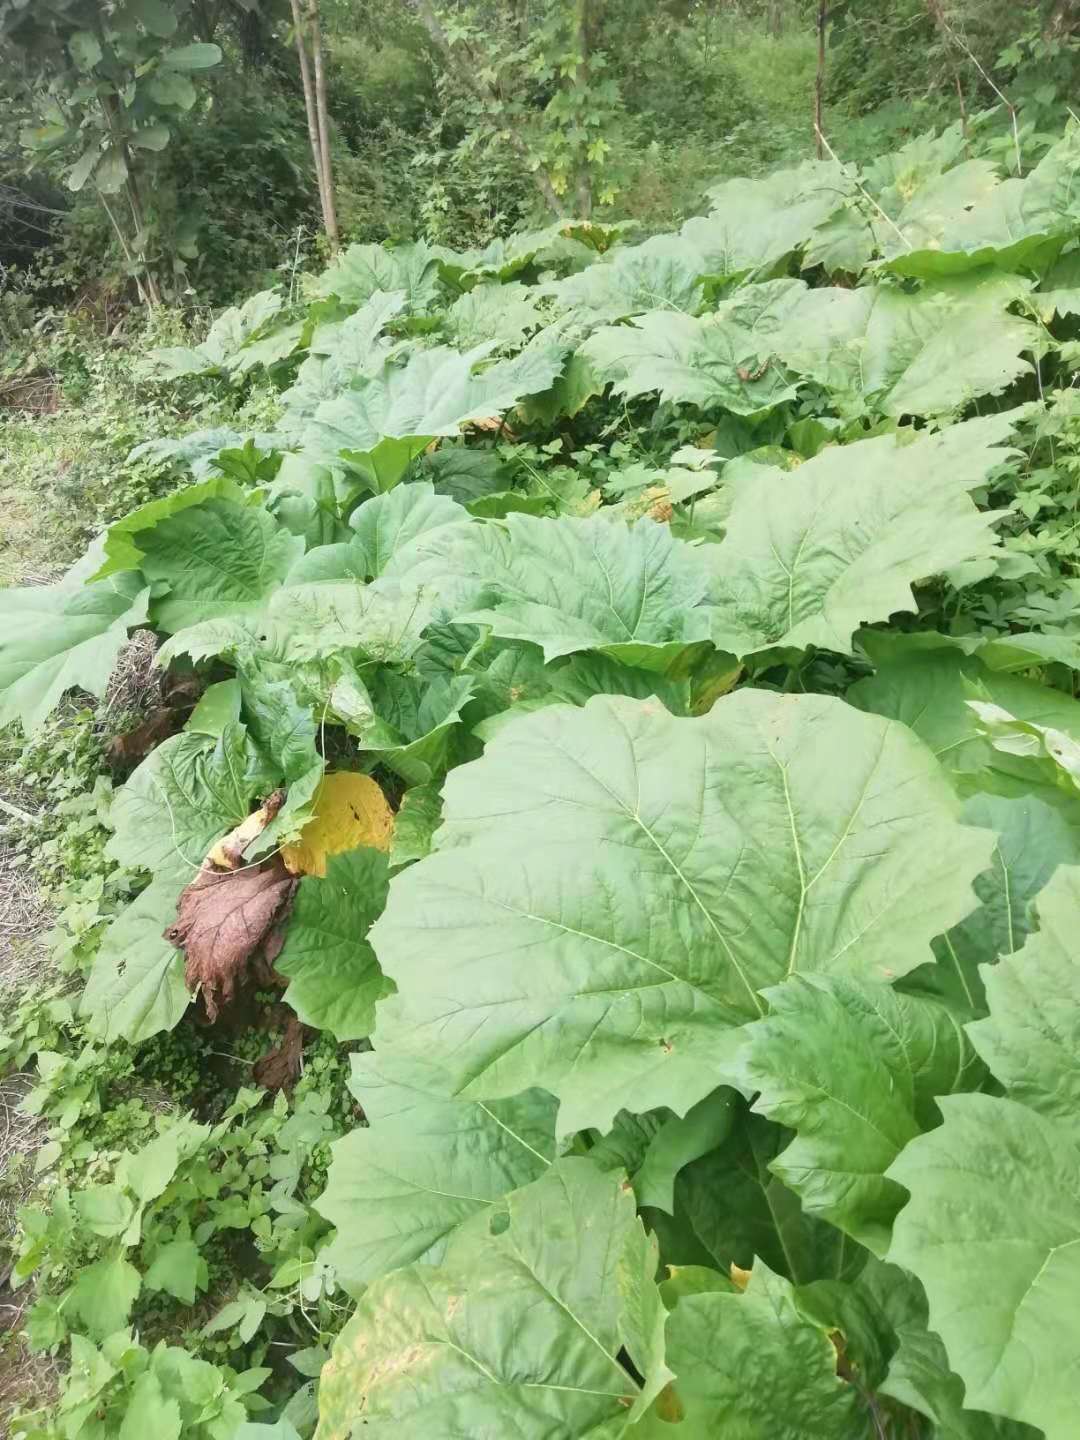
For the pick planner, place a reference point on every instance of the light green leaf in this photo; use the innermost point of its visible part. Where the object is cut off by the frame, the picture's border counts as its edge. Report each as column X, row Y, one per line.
column 615, row 993
column 853, row 1069
column 136, row 988
column 149, row 1412
column 773, row 1377
column 755, row 223
column 888, row 351
column 362, row 270
column 185, row 795
column 85, row 49
column 556, row 1265
column 192, row 57
column 387, row 524
column 929, row 690
column 1031, row 1039
column 1033, row 839
column 55, row 638
column 416, row 821
column 325, row 618
column 707, row 362
column 151, row 137
column 992, row 1230
column 112, row 171
column 179, row 1270
column 426, row 1163
column 171, row 88
column 218, row 560
column 632, row 593
column 334, row 977
column 660, row 274
column 504, row 313
column 805, row 563
column 434, row 394
column 103, row 1295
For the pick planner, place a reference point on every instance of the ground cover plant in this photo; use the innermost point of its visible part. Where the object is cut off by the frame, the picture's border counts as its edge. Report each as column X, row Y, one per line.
column 624, row 697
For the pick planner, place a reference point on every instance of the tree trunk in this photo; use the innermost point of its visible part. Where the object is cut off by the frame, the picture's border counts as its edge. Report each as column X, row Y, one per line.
column 819, row 83
column 581, row 81
column 309, row 104
column 938, row 17
column 323, row 120
column 776, row 18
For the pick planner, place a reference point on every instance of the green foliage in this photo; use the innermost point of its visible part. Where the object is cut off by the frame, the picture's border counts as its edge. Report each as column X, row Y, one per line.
column 707, row 626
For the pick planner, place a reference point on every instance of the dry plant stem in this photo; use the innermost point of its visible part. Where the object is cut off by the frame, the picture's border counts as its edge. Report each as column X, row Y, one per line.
column 957, row 40
column 309, row 104
column 819, row 83
column 323, row 121
column 863, row 191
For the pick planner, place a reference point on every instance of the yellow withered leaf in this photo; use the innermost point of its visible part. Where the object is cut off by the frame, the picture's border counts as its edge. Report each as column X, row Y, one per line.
column 739, row 1277
column 350, row 810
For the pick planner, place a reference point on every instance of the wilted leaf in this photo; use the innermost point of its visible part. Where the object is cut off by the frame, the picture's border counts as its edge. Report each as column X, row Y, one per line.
column 221, row 920
column 350, row 810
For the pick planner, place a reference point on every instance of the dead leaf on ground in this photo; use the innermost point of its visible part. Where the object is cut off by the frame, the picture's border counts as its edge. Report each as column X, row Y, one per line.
column 350, row 810
column 228, row 853
column 221, row 920
column 134, row 745
column 279, row 1068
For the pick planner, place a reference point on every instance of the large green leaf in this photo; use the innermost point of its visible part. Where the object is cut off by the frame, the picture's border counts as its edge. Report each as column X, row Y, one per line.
column 121, row 548
column 136, row 988
column 755, row 223
column 707, row 362
column 558, row 1266
column 216, row 560
column 750, row 1366
column 185, row 795
column 504, row 313
column 324, row 618
column 809, row 556
column 992, row 1230
column 334, row 978
column 386, row 524
column 614, row 886
column 929, row 690
column 397, row 1189
column 950, row 227
column 384, row 421
column 1031, row 1038
column 408, row 723
column 1033, row 839
column 360, row 271
column 630, row 592
column 660, row 274
column 884, row 350
column 55, row 638
column 853, row 1069
column 730, row 1208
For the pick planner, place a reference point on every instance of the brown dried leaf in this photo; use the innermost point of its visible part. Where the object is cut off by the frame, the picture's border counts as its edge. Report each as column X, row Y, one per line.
column 279, row 1068
column 134, row 745
column 221, row 919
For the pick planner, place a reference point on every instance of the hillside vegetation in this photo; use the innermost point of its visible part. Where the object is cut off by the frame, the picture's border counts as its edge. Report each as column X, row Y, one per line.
column 553, row 765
